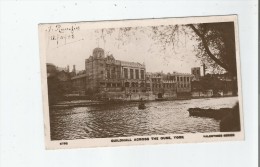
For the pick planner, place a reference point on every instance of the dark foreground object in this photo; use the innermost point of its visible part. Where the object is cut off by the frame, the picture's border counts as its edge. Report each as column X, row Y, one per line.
column 230, row 119
column 141, row 105
column 209, row 113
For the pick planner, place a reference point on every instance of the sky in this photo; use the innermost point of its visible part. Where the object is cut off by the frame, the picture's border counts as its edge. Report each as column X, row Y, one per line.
column 71, row 47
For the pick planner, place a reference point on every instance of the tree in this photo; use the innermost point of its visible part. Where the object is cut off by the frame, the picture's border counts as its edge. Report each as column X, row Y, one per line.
column 215, row 41
column 55, row 89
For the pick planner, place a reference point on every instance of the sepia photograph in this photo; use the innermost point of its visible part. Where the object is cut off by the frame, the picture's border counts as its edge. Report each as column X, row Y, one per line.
column 146, row 81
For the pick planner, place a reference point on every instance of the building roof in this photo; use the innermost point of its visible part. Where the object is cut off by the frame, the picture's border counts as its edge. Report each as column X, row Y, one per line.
column 79, row 76
column 131, row 64
column 178, row 73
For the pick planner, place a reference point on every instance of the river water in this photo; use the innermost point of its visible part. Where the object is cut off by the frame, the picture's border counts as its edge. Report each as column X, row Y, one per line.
column 121, row 120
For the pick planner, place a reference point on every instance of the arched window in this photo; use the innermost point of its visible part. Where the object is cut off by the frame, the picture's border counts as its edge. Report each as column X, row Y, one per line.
column 136, row 84
column 126, row 84
column 132, row 84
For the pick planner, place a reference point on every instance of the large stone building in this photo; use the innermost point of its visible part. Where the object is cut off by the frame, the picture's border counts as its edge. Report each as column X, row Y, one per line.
column 160, row 86
column 106, row 77
column 183, row 81
column 104, row 73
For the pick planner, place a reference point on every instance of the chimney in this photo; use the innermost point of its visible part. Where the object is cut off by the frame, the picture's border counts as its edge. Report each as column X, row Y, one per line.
column 204, row 69
column 74, row 69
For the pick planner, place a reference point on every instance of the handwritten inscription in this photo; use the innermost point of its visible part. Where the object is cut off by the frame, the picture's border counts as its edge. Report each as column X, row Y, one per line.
column 63, row 35
column 64, row 38
column 60, row 29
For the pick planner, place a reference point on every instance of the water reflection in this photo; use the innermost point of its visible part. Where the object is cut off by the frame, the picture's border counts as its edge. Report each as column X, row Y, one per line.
column 119, row 120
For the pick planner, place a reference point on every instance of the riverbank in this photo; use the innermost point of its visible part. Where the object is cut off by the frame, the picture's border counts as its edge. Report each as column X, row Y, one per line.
column 85, row 103
column 229, row 117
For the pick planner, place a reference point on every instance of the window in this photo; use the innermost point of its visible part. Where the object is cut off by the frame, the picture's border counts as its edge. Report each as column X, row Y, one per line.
column 142, row 74
column 136, row 74
column 131, row 74
column 108, row 73
column 101, row 72
column 118, row 74
column 188, row 79
column 127, row 84
column 126, row 73
column 181, row 78
column 113, row 73
column 132, row 84
column 178, row 79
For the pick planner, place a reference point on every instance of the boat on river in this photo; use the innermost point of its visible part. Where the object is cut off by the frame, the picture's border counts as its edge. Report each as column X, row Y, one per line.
column 141, row 106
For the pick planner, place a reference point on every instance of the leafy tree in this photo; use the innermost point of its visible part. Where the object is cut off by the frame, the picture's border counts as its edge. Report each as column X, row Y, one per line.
column 55, row 89
column 215, row 41
column 216, row 44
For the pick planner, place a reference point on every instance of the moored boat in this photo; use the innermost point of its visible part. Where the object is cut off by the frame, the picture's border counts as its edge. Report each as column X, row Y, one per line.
column 141, row 106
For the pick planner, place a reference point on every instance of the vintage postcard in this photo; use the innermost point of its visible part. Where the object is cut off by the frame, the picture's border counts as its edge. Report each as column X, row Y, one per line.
column 147, row 81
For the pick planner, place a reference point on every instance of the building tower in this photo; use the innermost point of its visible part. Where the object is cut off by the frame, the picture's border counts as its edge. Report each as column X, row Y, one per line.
column 68, row 68
column 196, row 72
column 204, row 69
column 95, row 68
column 74, row 69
